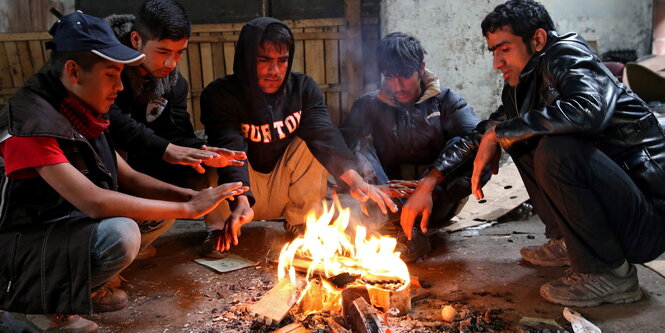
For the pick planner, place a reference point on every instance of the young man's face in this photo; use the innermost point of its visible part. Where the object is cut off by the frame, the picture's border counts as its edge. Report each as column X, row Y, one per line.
column 161, row 56
column 272, row 61
column 99, row 86
column 404, row 89
column 510, row 53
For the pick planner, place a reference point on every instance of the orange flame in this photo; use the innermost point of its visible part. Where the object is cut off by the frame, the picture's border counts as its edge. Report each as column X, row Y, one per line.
column 331, row 251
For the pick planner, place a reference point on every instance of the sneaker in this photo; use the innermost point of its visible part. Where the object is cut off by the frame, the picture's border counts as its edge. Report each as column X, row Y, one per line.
column 294, row 230
column 584, row 289
column 19, row 322
column 115, row 281
column 149, row 252
column 410, row 250
column 107, row 299
column 209, row 248
column 551, row 254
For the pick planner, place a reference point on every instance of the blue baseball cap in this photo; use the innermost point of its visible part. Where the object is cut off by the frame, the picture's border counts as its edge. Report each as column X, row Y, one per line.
column 82, row 32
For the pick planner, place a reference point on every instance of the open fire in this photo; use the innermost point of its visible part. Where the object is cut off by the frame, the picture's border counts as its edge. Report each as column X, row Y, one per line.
column 334, row 261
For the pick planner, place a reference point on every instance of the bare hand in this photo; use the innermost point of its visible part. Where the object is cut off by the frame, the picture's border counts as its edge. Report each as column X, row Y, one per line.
column 225, row 157
column 399, row 188
column 240, row 216
column 207, row 199
column 489, row 153
column 193, row 157
column 420, row 203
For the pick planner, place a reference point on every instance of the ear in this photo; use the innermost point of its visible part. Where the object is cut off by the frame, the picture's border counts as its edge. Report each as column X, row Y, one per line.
column 135, row 38
column 538, row 40
column 71, row 71
column 422, row 69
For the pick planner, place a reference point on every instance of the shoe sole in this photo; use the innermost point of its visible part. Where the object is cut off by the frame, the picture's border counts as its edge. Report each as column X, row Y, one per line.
column 547, row 263
column 620, row 298
column 99, row 308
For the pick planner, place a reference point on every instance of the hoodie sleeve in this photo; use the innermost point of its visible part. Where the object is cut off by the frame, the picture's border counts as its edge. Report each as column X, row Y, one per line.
column 323, row 139
column 220, row 117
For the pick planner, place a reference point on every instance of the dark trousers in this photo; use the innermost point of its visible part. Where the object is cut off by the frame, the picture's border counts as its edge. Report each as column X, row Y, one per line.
column 583, row 196
column 446, row 196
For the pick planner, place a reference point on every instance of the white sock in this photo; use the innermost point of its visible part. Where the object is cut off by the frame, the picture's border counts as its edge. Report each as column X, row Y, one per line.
column 623, row 269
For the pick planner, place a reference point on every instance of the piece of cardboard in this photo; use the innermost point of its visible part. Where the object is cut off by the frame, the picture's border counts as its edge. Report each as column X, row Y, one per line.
column 503, row 193
column 231, row 263
column 658, row 266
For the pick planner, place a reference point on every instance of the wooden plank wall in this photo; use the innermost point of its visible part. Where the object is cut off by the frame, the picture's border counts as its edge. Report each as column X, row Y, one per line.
column 322, row 47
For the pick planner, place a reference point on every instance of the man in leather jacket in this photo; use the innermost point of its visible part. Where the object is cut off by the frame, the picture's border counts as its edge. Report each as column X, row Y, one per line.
column 590, row 153
column 410, row 121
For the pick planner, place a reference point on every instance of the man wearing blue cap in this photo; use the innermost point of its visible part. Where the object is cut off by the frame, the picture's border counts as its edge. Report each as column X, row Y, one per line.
column 64, row 227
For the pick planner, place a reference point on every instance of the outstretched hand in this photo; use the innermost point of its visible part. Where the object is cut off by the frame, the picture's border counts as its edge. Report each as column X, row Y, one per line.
column 224, row 158
column 207, row 199
column 399, row 188
column 241, row 215
column 489, row 153
column 363, row 191
column 193, row 157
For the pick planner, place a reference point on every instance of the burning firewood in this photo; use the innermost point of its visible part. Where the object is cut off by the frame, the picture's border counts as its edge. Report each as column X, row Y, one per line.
column 274, row 305
column 362, row 318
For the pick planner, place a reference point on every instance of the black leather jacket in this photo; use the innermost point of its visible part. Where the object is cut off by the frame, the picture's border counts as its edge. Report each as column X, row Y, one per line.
column 566, row 90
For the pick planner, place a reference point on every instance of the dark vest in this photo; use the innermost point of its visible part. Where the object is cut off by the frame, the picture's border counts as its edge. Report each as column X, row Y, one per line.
column 45, row 257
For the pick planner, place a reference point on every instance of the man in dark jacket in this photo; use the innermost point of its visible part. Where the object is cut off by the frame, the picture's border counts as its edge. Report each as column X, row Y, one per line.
column 64, row 228
column 590, row 153
column 409, row 122
column 149, row 119
column 279, row 119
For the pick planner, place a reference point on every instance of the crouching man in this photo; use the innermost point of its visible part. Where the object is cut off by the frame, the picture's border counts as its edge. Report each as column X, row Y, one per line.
column 65, row 230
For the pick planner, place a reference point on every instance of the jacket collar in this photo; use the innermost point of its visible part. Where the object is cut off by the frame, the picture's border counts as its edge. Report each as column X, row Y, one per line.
column 429, row 81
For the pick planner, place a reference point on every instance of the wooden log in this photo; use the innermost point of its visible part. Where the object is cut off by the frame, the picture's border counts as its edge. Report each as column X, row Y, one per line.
column 362, row 318
column 351, row 294
column 388, row 299
column 334, row 326
column 275, row 304
column 292, row 328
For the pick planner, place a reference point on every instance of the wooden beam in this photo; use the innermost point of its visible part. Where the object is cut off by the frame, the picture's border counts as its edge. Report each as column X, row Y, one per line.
column 275, row 304
column 24, row 36
column 352, row 11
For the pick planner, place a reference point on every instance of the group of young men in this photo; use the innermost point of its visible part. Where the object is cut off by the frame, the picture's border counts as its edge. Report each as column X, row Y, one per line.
column 75, row 213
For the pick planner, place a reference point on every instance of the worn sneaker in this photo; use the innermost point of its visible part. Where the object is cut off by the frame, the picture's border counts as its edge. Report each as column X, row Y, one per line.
column 149, row 252
column 294, row 230
column 19, row 322
column 107, row 299
column 410, row 250
column 584, row 289
column 210, row 247
column 553, row 253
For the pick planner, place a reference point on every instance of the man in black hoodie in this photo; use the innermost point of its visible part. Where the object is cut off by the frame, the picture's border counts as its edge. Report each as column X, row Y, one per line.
column 280, row 120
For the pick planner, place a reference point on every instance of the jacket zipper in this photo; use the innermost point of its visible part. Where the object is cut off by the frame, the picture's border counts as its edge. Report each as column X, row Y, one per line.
column 3, row 199
column 13, row 263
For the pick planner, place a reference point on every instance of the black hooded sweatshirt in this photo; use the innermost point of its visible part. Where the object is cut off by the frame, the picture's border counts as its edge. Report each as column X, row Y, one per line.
column 238, row 115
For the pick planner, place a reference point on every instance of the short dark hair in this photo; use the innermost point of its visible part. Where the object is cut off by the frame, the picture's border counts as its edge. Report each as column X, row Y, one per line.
column 85, row 59
column 523, row 16
column 399, row 54
column 163, row 19
column 277, row 35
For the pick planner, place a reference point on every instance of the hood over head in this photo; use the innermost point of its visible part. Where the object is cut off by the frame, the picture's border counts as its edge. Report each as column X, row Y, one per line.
column 244, row 62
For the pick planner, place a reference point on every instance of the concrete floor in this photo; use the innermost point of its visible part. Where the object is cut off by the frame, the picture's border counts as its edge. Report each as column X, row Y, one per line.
column 172, row 293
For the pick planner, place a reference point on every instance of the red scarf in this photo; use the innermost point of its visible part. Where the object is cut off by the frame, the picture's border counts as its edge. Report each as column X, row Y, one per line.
column 85, row 120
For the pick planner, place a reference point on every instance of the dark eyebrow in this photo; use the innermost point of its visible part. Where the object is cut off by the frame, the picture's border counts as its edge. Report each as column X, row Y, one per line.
column 114, row 66
column 491, row 49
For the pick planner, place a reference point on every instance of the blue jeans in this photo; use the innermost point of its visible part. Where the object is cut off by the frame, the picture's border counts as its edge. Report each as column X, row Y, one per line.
column 116, row 243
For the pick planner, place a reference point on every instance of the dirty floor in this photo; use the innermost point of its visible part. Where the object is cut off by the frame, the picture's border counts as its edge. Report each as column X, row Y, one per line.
column 473, row 272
